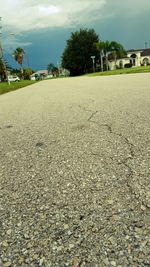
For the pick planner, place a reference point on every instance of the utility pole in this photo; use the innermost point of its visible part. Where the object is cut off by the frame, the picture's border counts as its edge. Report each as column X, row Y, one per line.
column 1, row 52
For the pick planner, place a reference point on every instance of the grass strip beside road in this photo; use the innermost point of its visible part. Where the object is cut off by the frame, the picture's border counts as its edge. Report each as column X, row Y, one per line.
column 5, row 87
column 122, row 71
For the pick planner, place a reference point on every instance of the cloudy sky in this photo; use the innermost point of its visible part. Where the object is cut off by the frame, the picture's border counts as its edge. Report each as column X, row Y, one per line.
column 42, row 27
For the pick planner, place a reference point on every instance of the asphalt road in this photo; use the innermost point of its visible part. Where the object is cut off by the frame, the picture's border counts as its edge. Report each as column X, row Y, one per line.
column 75, row 173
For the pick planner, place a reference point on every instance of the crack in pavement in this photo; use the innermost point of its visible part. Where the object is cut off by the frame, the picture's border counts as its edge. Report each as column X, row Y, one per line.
column 125, row 161
column 109, row 128
column 92, row 115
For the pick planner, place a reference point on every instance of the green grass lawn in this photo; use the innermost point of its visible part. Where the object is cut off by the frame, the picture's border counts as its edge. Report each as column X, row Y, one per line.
column 5, row 87
column 122, row 71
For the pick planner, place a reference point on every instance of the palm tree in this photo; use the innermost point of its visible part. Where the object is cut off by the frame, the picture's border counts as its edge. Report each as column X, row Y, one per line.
column 18, row 56
column 3, row 69
column 117, row 50
column 50, row 67
column 107, row 49
column 100, row 47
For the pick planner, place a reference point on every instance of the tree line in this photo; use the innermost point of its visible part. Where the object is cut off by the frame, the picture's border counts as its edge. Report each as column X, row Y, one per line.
column 23, row 73
column 83, row 45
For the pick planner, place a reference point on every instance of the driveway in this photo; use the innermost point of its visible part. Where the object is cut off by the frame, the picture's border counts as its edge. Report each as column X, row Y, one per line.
column 75, row 173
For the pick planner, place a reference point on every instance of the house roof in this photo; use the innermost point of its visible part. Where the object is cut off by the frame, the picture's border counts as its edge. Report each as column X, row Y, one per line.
column 42, row 71
column 144, row 52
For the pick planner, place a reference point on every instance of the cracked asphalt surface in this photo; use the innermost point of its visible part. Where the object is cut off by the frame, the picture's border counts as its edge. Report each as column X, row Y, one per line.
column 75, row 173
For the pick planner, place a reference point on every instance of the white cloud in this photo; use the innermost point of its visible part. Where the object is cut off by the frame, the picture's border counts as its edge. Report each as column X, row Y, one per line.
column 27, row 15
column 127, row 9
column 21, row 16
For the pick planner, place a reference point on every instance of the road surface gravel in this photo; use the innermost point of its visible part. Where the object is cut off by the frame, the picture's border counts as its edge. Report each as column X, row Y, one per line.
column 75, row 173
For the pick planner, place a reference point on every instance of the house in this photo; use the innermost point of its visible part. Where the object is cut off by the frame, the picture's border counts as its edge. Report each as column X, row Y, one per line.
column 39, row 73
column 137, row 58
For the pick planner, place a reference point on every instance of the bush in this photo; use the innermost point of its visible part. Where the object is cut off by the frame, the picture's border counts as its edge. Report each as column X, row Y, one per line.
column 27, row 73
column 128, row 65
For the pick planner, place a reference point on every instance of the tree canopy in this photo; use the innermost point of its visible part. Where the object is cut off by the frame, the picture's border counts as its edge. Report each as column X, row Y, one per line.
column 27, row 73
column 79, row 49
column 118, row 49
column 50, row 67
column 109, row 50
column 3, row 69
column 18, row 55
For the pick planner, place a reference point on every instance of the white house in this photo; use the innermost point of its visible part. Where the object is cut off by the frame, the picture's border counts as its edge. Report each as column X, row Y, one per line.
column 40, row 73
column 137, row 58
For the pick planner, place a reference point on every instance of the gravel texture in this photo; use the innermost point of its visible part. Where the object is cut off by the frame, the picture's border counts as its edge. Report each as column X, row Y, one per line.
column 75, row 173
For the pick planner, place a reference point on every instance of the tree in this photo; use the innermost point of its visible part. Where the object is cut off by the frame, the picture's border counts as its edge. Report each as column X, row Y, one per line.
column 116, row 51
column 50, row 67
column 104, row 49
column 55, row 72
column 18, row 56
column 15, row 72
column 120, row 50
column 107, row 49
column 27, row 73
column 100, row 48
column 3, row 69
column 79, row 49
column 110, row 50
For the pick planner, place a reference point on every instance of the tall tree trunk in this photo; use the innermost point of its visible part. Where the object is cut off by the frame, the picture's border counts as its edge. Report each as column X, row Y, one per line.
column 115, row 61
column 107, row 61
column 101, row 60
